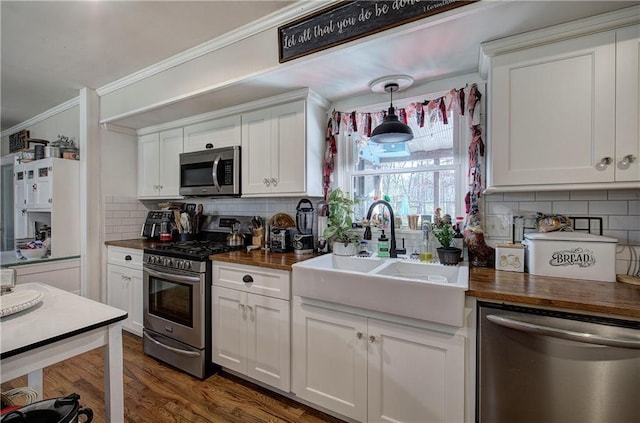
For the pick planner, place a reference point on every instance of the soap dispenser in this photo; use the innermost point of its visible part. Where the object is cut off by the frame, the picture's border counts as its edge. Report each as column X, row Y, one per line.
column 383, row 246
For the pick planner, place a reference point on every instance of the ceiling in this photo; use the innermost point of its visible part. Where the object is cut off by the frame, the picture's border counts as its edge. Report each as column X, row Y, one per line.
column 51, row 49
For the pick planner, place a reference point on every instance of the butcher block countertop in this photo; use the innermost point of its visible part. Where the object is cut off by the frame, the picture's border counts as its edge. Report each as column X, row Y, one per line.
column 616, row 298
column 611, row 298
column 282, row 261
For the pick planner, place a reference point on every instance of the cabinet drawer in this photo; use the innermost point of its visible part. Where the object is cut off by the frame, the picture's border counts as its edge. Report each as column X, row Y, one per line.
column 258, row 280
column 128, row 257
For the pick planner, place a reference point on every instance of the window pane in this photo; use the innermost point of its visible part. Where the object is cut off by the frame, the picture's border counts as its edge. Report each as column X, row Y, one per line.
column 410, row 193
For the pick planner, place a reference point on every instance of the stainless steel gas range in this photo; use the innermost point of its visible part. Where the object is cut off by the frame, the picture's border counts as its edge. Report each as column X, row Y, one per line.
column 177, row 301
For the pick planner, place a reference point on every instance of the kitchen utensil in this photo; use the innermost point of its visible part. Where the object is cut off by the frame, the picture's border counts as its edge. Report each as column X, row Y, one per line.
column 176, row 215
column 235, row 238
column 55, row 410
column 52, row 152
column 185, row 221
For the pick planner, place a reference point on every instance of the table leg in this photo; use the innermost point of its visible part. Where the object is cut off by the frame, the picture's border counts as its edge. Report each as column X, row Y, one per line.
column 34, row 380
column 113, row 375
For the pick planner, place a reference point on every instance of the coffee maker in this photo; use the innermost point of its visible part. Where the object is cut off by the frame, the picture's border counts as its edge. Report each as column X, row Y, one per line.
column 303, row 239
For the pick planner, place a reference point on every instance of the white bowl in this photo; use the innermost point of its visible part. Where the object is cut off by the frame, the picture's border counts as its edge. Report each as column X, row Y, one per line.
column 31, row 253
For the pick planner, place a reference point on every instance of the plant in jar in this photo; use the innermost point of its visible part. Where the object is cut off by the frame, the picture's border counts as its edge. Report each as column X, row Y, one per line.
column 341, row 209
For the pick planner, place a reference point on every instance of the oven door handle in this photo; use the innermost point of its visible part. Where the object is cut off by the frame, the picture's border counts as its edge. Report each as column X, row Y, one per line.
column 582, row 337
column 172, row 276
column 214, row 172
column 175, row 350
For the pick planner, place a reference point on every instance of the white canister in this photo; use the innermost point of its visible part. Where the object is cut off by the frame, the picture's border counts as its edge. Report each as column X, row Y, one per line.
column 575, row 255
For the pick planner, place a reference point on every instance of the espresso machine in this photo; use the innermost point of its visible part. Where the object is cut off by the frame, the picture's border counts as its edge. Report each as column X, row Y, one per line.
column 303, row 239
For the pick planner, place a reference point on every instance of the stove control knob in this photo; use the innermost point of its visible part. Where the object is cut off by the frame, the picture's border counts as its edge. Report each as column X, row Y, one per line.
column 180, row 264
column 151, row 259
column 187, row 265
column 168, row 262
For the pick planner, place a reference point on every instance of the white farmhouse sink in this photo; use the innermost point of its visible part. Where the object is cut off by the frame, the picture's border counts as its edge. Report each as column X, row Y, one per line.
column 423, row 291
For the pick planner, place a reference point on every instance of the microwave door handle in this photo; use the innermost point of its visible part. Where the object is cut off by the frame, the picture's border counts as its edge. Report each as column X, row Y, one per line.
column 172, row 277
column 216, row 162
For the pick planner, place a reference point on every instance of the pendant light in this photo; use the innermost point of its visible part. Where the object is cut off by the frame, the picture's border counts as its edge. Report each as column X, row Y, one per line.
column 391, row 130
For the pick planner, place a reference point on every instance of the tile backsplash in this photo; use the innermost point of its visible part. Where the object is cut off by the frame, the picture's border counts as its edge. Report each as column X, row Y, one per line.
column 618, row 209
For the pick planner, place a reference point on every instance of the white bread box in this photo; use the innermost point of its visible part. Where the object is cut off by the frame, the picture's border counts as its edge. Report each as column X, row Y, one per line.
column 575, row 255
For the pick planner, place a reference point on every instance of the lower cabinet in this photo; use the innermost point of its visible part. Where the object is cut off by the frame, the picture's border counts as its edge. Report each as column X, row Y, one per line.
column 251, row 332
column 125, row 285
column 374, row 370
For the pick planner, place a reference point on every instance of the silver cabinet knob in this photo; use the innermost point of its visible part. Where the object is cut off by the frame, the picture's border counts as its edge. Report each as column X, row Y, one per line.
column 604, row 163
column 372, row 339
column 274, row 182
column 626, row 161
column 266, row 182
column 359, row 335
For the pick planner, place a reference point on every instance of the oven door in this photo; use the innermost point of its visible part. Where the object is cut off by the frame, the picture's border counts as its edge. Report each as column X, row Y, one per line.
column 210, row 172
column 174, row 304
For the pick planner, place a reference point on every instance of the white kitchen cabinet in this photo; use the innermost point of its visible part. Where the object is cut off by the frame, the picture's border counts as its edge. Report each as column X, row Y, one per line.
column 48, row 190
column 159, row 164
column 218, row 133
column 565, row 114
column 251, row 332
column 374, row 370
column 125, row 285
column 282, row 150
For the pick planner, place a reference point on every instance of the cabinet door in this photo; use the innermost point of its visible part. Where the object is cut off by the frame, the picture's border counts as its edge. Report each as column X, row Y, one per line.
column 148, row 165
column 414, row 374
column 136, row 301
column 627, row 103
column 169, row 172
column 219, row 133
column 553, row 113
column 43, row 181
column 256, row 152
column 229, row 328
column 31, row 187
column 330, row 359
column 288, row 145
column 269, row 342
column 118, row 280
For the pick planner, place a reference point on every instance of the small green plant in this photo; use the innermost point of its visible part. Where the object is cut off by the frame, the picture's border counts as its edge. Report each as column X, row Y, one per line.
column 444, row 235
column 340, row 218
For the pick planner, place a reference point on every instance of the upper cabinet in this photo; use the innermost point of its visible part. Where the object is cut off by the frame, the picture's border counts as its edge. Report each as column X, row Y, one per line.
column 564, row 115
column 159, row 164
column 218, row 133
column 282, row 150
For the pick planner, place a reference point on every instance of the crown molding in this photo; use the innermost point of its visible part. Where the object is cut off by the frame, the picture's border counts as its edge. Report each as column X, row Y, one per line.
column 277, row 18
column 119, row 129
column 42, row 116
column 578, row 28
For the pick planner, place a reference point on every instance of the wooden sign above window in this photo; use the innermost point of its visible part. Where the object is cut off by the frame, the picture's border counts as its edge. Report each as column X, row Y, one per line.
column 350, row 20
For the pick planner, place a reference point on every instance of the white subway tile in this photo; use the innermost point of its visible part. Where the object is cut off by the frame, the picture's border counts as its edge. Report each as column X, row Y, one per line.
column 634, row 207
column 498, row 226
column 552, row 195
column 588, row 195
column 494, row 197
column 536, row 206
column 621, row 236
column 608, row 207
column 571, row 208
column 634, row 238
column 624, row 194
column 112, row 206
column 519, row 196
column 629, row 223
column 121, row 213
column 505, row 208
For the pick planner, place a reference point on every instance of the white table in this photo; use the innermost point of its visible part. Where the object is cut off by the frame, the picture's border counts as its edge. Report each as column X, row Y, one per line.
column 62, row 326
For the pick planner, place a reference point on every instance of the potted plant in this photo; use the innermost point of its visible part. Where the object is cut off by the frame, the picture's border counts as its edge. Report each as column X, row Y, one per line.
column 447, row 254
column 344, row 240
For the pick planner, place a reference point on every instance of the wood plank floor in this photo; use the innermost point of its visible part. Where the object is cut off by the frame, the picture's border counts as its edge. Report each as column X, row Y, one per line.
column 154, row 392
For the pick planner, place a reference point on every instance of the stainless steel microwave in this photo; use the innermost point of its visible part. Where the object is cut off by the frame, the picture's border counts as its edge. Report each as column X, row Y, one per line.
column 213, row 172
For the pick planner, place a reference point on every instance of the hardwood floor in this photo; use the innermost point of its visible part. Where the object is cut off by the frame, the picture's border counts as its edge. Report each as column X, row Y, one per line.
column 156, row 393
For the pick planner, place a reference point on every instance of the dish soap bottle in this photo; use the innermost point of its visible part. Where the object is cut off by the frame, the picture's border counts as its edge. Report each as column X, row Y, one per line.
column 383, row 246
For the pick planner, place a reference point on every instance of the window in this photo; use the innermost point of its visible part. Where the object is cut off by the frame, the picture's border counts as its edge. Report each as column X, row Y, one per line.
column 417, row 176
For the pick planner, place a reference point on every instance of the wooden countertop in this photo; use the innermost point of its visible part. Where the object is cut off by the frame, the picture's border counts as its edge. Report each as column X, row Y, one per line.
column 282, row 261
column 611, row 298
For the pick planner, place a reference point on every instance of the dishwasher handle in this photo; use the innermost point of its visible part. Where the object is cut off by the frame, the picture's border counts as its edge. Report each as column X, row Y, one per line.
column 582, row 337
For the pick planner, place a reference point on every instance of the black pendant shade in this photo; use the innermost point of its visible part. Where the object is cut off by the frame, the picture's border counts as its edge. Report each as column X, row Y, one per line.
column 391, row 130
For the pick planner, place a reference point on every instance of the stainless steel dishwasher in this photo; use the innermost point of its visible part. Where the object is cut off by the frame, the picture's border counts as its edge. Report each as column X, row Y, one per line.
column 542, row 366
